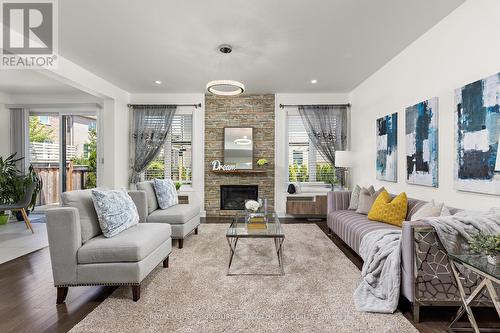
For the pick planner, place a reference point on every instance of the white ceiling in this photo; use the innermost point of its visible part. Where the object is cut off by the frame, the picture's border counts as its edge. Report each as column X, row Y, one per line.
column 15, row 82
column 278, row 45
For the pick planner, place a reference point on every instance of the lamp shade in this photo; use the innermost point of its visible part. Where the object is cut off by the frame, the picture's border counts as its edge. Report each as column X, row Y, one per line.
column 497, row 164
column 343, row 159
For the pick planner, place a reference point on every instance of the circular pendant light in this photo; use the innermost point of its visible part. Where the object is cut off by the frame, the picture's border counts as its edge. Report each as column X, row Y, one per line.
column 225, row 87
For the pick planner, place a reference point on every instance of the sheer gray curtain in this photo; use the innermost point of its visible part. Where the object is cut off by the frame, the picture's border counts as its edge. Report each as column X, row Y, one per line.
column 19, row 141
column 150, row 126
column 326, row 126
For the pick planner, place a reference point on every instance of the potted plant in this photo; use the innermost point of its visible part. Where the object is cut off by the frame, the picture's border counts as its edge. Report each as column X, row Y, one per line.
column 262, row 162
column 9, row 183
column 178, row 185
column 13, row 184
column 486, row 244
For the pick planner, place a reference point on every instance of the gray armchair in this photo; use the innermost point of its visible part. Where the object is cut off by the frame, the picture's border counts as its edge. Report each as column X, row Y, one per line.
column 184, row 218
column 22, row 205
column 82, row 256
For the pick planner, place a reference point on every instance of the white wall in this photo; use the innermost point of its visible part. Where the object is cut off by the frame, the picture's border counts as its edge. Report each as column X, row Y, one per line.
column 113, row 138
column 4, row 126
column 281, row 167
column 198, row 140
column 462, row 48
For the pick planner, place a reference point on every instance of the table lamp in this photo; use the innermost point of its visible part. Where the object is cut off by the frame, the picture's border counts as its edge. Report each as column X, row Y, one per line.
column 344, row 160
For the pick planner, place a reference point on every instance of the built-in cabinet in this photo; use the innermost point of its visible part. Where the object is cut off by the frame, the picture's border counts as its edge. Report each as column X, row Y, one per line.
column 307, row 205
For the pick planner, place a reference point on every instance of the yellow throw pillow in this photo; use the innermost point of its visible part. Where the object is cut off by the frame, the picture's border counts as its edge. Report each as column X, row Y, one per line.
column 389, row 211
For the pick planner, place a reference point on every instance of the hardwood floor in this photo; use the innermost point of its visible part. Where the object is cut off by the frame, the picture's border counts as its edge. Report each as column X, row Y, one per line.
column 28, row 297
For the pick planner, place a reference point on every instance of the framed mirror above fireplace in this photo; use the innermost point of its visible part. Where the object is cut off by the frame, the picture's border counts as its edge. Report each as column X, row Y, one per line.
column 238, row 147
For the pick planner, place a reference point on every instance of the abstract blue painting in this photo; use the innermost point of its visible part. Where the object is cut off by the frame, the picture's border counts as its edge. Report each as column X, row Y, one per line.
column 387, row 148
column 477, row 131
column 422, row 143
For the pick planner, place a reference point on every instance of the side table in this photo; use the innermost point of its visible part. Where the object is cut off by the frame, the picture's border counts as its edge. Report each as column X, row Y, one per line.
column 491, row 276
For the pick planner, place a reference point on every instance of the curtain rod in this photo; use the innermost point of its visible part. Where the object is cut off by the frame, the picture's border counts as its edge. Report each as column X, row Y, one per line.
column 282, row 106
column 195, row 105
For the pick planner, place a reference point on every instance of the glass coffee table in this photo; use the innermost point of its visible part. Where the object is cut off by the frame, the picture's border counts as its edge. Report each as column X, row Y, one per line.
column 271, row 228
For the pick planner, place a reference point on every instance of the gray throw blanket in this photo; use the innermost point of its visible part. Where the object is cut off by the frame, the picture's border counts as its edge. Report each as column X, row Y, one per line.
column 381, row 274
column 454, row 231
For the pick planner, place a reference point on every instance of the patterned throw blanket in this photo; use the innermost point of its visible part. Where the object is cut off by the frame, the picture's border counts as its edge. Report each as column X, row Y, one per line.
column 381, row 273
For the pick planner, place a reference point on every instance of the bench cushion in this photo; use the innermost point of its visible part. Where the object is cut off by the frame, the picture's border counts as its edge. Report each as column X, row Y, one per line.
column 178, row 214
column 131, row 245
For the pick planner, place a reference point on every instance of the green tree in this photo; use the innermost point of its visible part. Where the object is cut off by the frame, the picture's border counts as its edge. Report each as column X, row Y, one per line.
column 156, row 169
column 92, row 146
column 39, row 132
column 325, row 173
column 303, row 173
column 91, row 161
column 292, row 173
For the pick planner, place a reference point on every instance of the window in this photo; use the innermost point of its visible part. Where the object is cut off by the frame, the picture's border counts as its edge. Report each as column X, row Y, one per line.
column 305, row 163
column 174, row 160
column 85, row 150
column 298, row 157
column 44, row 120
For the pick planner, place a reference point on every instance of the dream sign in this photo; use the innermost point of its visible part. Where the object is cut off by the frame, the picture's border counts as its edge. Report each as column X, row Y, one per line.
column 218, row 166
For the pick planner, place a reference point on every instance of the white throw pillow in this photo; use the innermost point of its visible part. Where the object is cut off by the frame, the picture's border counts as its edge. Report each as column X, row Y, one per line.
column 366, row 199
column 166, row 194
column 354, row 201
column 431, row 209
column 116, row 211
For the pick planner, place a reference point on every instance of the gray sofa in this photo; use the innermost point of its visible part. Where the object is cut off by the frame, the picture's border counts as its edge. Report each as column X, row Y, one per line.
column 82, row 256
column 184, row 218
column 426, row 274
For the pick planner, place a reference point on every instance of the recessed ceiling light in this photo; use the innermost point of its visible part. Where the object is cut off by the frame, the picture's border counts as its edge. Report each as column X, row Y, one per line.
column 314, row 81
column 158, row 82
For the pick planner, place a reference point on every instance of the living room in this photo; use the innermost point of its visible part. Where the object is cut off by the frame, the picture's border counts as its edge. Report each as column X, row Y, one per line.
column 149, row 157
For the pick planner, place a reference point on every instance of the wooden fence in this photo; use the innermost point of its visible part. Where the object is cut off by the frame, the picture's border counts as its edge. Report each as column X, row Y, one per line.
column 50, row 176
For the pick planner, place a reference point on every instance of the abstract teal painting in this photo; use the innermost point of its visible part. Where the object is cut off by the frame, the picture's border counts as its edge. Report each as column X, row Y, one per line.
column 422, row 143
column 477, row 131
column 387, row 148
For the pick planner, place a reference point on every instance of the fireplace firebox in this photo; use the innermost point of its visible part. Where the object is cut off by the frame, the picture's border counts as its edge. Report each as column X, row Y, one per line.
column 233, row 197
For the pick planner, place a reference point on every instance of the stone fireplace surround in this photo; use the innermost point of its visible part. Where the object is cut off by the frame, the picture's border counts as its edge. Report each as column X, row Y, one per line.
column 256, row 111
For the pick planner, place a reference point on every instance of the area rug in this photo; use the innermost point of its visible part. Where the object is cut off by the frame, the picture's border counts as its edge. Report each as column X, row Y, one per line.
column 195, row 295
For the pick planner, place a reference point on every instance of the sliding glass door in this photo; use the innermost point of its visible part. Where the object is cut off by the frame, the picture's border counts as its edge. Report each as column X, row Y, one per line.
column 63, row 151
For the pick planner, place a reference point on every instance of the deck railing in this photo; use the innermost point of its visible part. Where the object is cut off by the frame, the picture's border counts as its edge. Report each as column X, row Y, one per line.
column 42, row 152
